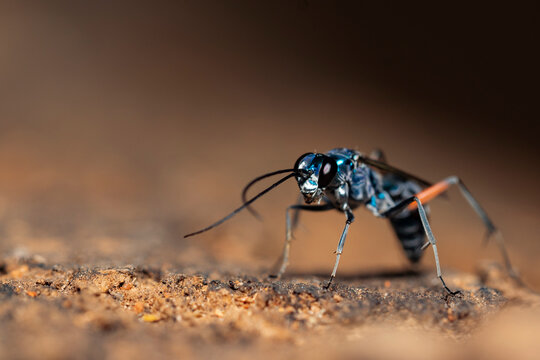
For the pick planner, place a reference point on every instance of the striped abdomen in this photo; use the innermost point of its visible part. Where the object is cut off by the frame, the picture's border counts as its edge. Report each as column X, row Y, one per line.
column 408, row 228
column 406, row 224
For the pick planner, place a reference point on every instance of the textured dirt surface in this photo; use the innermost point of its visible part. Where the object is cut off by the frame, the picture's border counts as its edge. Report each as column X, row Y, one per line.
column 124, row 125
column 56, row 311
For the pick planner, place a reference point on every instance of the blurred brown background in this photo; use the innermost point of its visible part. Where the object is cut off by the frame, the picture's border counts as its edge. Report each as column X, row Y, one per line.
column 124, row 126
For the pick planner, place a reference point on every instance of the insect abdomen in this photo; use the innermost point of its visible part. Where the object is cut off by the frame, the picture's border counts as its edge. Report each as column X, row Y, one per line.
column 408, row 228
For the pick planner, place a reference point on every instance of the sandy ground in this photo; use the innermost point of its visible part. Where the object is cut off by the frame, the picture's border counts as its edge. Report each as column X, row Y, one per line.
column 125, row 125
column 57, row 311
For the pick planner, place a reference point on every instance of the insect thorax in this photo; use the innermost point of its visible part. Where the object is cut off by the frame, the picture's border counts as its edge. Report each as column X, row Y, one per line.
column 356, row 184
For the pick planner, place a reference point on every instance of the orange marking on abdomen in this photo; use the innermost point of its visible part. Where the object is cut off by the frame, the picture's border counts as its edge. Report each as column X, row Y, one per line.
column 429, row 193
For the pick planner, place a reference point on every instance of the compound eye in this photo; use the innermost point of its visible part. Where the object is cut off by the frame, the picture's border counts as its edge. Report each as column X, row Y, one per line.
column 299, row 161
column 328, row 171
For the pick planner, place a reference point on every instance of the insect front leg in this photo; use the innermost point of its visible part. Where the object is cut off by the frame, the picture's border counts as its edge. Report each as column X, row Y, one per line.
column 341, row 244
column 296, row 213
column 284, row 259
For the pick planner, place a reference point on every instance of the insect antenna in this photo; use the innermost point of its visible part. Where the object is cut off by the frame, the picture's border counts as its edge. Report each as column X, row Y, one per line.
column 244, row 205
column 252, row 182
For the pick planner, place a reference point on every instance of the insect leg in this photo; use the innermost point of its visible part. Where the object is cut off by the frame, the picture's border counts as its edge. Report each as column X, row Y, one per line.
column 441, row 187
column 350, row 219
column 432, row 241
column 296, row 214
column 427, row 229
column 284, row 260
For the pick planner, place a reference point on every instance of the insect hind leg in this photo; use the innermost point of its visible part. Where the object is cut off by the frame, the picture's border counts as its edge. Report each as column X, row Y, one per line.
column 408, row 228
column 427, row 229
column 441, row 187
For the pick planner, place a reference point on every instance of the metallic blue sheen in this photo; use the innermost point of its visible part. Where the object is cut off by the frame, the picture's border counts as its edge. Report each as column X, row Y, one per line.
column 354, row 183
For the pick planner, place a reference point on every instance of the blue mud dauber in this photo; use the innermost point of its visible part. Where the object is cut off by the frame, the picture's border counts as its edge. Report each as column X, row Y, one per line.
column 344, row 179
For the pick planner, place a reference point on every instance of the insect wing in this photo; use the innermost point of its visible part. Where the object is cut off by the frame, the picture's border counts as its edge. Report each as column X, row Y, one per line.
column 384, row 166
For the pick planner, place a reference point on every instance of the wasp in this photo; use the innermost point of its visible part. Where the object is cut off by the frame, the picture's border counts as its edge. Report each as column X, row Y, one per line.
column 343, row 179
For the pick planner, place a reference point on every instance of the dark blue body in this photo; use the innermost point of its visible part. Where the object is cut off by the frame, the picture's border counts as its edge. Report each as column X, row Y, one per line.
column 358, row 184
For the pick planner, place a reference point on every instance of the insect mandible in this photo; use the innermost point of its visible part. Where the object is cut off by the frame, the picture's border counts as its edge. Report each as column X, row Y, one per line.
column 343, row 179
